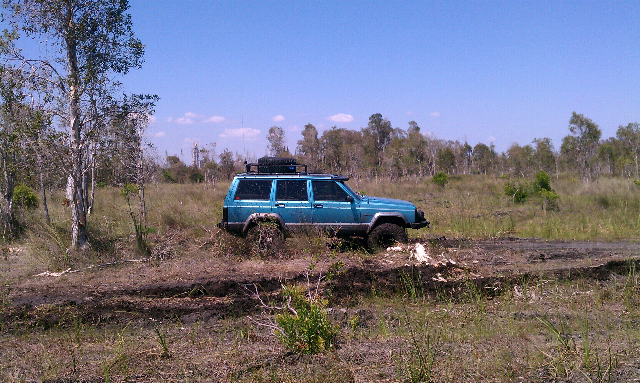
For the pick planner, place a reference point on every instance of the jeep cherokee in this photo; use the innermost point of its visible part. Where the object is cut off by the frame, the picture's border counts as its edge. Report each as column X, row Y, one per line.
column 279, row 192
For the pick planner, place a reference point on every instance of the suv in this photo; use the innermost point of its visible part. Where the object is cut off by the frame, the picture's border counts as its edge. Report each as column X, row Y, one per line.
column 278, row 193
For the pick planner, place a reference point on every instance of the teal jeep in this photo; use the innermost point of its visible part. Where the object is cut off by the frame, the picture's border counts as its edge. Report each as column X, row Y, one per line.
column 279, row 194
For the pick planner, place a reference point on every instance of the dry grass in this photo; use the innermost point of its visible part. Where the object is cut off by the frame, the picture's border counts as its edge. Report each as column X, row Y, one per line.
column 540, row 330
column 536, row 331
column 475, row 206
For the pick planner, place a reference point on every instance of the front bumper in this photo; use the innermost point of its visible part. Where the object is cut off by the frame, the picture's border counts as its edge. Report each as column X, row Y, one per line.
column 420, row 220
column 420, row 225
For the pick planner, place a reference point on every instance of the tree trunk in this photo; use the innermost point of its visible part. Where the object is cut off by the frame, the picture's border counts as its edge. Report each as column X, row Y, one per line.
column 141, row 196
column 78, row 212
column 93, row 181
column 7, row 219
column 45, row 206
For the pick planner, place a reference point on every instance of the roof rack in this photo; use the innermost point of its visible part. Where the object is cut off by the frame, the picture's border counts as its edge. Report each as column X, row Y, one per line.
column 276, row 169
column 276, row 165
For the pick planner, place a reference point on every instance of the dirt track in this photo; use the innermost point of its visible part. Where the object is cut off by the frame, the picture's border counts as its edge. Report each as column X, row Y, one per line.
column 205, row 288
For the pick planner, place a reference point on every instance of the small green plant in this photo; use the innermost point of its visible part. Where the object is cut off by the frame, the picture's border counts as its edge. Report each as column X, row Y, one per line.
column 518, row 192
column 440, row 178
column 631, row 290
column 127, row 191
column 412, row 285
column 25, row 197
column 162, row 339
column 540, row 187
column 542, row 182
column 549, row 200
column 305, row 328
column 418, row 365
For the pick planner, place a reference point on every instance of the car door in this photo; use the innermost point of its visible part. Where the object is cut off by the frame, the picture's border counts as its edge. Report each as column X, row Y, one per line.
column 333, row 207
column 292, row 203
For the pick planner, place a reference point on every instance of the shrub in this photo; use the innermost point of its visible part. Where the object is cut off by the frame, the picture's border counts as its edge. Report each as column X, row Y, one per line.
column 195, row 175
column 549, row 199
column 25, row 197
column 440, row 178
column 306, row 328
column 518, row 192
column 542, row 182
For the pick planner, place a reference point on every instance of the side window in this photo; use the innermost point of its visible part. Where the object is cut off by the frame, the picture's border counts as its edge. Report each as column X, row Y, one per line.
column 291, row 190
column 253, row 190
column 328, row 191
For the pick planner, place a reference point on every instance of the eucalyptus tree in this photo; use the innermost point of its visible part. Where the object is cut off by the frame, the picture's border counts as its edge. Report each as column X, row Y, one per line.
column 483, row 157
column 629, row 137
column 378, row 135
column 543, row 155
column 92, row 42
column 582, row 144
column 14, row 126
column 277, row 141
column 520, row 159
column 309, row 147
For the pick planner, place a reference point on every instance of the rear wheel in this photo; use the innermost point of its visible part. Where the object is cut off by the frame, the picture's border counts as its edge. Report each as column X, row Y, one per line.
column 385, row 235
column 265, row 239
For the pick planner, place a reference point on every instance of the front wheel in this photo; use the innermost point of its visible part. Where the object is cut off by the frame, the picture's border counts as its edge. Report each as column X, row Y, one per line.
column 385, row 235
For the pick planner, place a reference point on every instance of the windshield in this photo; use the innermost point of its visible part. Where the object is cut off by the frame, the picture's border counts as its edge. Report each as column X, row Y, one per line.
column 358, row 196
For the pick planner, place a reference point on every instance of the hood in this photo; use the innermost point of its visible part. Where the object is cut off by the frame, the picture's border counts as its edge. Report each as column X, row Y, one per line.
column 398, row 203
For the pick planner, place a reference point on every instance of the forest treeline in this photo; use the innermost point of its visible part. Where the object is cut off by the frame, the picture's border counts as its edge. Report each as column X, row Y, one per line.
column 380, row 150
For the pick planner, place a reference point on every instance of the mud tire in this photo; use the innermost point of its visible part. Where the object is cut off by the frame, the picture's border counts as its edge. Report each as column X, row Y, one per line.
column 265, row 240
column 385, row 235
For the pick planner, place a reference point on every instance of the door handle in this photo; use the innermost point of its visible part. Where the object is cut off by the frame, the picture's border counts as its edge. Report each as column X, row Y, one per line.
column 318, row 205
column 279, row 205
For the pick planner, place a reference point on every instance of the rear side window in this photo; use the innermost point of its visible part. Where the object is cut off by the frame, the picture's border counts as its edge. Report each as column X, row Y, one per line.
column 291, row 190
column 253, row 190
column 328, row 191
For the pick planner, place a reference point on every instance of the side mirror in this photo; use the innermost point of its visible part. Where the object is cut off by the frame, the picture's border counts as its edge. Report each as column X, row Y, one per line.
column 350, row 198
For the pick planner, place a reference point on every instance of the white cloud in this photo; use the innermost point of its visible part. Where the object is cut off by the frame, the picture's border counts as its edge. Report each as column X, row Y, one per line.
column 492, row 139
column 152, row 119
column 409, row 113
column 341, row 117
column 192, row 115
column 190, row 118
column 160, row 134
column 278, row 118
column 435, row 114
column 246, row 133
column 215, row 119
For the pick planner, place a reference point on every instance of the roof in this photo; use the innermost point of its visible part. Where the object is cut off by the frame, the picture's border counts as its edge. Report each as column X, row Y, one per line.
column 293, row 175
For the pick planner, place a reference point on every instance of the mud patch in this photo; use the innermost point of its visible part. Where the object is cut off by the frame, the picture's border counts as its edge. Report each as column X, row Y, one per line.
column 206, row 289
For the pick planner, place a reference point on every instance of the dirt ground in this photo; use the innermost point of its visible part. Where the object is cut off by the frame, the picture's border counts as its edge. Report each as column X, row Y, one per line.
column 202, row 288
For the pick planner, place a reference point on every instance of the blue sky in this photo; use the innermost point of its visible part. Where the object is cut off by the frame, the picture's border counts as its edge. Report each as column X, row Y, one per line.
column 482, row 71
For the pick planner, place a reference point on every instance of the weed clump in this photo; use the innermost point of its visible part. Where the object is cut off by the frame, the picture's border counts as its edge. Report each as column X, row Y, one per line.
column 518, row 192
column 25, row 197
column 305, row 328
column 440, row 178
column 540, row 188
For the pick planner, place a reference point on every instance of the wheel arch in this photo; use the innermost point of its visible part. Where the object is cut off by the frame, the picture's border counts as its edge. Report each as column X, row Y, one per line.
column 381, row 218
column 256, row 218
